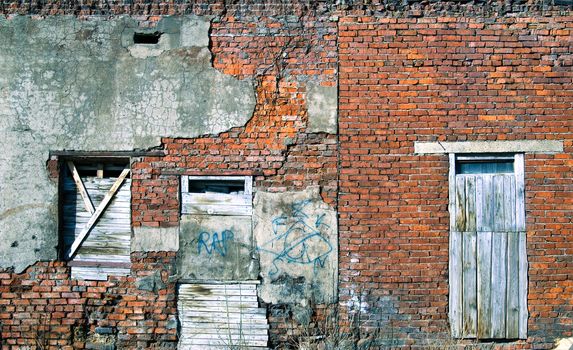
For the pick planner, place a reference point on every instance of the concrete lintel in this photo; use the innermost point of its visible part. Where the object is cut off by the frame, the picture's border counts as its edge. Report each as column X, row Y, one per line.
column 155, row 239
column 521, row 146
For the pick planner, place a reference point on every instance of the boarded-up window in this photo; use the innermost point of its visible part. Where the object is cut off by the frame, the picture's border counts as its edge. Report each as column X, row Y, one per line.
column 488, row 261
column 221, row 316
column 216, row 195
column 96, row 218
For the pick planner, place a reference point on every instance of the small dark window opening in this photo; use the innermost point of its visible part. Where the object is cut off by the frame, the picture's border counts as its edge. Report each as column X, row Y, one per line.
column 97, row 169
column 485, row 165
column 217, row 186
column 146, row 38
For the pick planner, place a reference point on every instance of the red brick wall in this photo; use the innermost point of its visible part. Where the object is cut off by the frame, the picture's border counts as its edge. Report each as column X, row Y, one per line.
column 449, row 79
column 401, row 79
column 44, row 307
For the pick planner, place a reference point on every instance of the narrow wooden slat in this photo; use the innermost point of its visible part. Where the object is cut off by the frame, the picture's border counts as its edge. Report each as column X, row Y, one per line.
column 220, row 342
column 479, row 206
column 225, row 298
column 498, row 284
column 484, row 252
column 259, row 328
column 231, row 336
column 219, row 292
column 229, row 210
column 509, row 203
column 452, row 192
column 499, row 207
column 488, row 200
column 455, row 279
column 97, row 274
column 101, row 207
column 81, row 188
column 217, row 307
column 216, row 199
column 248, row 185
column 519, row 193
column 470, row 203
column 460, row 208
column 217, row 347
column 100, row 264
column 523, row 314
column 512, row 310
column 184, row 184
column 469, row 285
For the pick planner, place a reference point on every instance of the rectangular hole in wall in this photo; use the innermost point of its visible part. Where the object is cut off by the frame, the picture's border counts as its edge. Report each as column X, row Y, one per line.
column 146, row 38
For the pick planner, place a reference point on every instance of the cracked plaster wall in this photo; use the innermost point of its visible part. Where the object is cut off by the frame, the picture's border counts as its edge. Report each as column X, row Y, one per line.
column 296, row 235
column 67, row 84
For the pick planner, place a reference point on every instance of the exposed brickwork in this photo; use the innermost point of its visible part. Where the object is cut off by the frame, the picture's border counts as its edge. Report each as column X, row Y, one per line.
column 45, row 307
column 449, row 79
column 406, row 73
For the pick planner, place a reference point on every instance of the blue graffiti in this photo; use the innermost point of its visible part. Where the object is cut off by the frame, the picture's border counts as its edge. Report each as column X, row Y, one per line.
column 299, row 238
column 214, row 243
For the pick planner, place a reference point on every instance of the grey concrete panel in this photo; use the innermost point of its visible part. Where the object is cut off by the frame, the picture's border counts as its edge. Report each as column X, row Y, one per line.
column 322, row 104
column 526, row 146
column 67, row 84
column 296, row 237
column 155, row 239
column 216, row 248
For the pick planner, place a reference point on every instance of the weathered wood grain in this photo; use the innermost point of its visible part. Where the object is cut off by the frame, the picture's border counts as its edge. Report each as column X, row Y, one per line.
column 498, row 284
column 484, row 251
column 469, row 284
column 456, row 285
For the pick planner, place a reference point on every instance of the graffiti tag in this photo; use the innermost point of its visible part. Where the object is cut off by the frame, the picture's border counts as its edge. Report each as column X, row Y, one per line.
column 214, row 243
column 299, row 238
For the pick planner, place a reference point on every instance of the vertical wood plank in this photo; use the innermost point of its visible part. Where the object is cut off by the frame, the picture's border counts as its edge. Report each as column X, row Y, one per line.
column 248, row 185
column 471, row 203
column 487, row 204
column 512, row 311
column 184, row 184
column 460, row 209
column 479, row 203
column 519, row 167
column 523, row 314
column 509, row 203
column 498, row 206
column 452, row 192
column 455, row 279
column 484, row 252
column 498, row 284
column 469, row 285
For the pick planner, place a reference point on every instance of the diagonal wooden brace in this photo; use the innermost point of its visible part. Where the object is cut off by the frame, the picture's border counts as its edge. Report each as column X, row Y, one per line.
column 96, row 215
column 81, row 188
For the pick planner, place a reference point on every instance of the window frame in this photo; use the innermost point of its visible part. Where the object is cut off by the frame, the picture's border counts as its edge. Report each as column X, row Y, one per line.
column 228, row 204
column 98, row 166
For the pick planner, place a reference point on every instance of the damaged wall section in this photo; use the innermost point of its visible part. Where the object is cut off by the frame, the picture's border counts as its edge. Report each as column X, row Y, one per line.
column 296, row 235
column 68, row 84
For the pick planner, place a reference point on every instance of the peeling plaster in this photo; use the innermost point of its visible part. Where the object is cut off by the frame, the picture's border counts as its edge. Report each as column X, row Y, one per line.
column 67, row 84
column 322, row 105
column 296, row 238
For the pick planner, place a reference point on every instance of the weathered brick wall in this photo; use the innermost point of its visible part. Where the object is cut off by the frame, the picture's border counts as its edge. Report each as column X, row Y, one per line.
column 280, row 54
column 44, row 308
column 448, row 79
column 406, row 73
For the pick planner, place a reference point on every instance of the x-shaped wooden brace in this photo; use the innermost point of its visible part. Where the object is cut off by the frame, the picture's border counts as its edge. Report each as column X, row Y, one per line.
column 97, row 212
